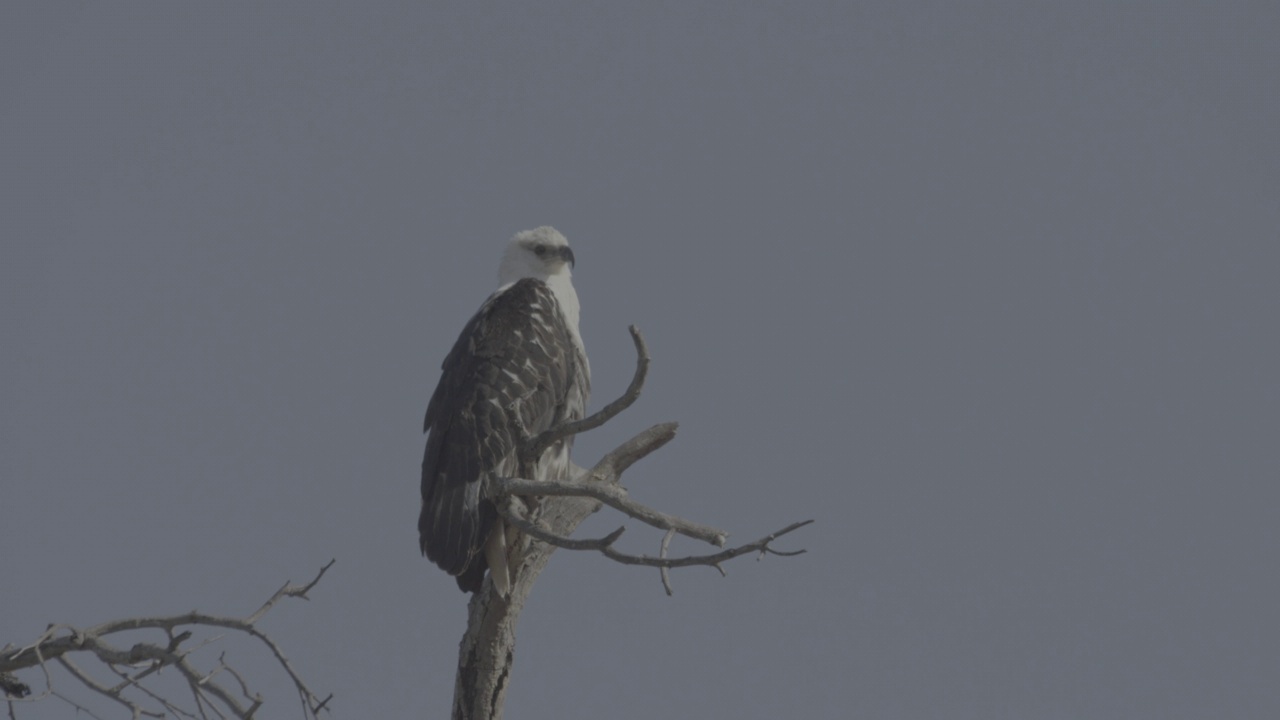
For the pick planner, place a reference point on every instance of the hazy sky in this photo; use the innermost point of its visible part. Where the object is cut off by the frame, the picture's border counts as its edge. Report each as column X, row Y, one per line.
column 988, row 289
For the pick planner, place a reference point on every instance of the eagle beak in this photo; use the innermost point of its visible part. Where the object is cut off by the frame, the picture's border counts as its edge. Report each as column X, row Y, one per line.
column 566, row 254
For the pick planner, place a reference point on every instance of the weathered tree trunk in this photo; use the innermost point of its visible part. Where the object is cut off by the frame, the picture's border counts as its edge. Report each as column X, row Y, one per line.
column 487, row 650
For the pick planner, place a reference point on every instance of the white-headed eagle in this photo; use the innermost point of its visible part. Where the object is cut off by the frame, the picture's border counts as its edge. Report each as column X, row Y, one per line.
column 517, row 369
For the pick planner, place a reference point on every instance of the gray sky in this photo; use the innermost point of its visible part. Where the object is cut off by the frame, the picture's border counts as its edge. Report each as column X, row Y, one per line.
column 987, row 291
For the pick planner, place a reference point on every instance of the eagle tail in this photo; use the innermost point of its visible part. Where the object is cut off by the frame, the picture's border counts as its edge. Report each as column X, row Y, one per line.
column 495, row 554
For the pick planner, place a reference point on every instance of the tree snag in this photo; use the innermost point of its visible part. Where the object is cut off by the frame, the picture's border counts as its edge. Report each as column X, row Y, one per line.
column 487, row 650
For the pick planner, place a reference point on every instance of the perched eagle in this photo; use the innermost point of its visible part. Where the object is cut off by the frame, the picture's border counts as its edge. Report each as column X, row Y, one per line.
column 517, row 369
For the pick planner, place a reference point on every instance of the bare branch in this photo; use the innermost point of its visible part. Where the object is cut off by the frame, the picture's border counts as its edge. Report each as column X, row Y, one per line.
column 128, row 680
column 204, row 684
column 616, row 461
column 605, row 546
column 244, row 687
column 60, row 640
column 601, row 484
column 290, row 590
column 551, row 538
column 534, row 448
column 614, row 497
column 761, row 546
column 664, row 571
column 79, row 708
column 101, row 689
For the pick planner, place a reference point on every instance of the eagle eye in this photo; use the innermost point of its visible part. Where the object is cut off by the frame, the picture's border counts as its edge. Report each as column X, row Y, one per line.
column 540, row 250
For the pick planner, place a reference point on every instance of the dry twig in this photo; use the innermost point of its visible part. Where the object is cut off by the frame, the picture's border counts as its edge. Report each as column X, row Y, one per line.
column 58, row 642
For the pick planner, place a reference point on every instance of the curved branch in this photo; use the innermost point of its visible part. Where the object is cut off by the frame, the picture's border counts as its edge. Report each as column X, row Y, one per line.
column 134, row 709
column 534, row 448
column 615, row 462
column 615, row 497
column 602, row 484
column 664, row 572
column 604, row 545
column 761, row 546
column 551, row 538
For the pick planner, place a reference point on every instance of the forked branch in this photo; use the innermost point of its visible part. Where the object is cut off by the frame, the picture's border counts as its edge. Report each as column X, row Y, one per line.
column 605, row 546
column 134, row 664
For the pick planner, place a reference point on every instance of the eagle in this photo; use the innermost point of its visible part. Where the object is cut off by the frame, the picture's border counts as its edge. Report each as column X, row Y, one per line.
column 518, row 369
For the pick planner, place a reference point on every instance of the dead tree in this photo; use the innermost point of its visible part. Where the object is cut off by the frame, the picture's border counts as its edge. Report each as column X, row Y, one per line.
column 221, row 692
column 488, row 647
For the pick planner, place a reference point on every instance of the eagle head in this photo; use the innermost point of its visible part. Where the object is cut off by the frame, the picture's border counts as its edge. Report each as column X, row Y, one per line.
column 539, row 253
